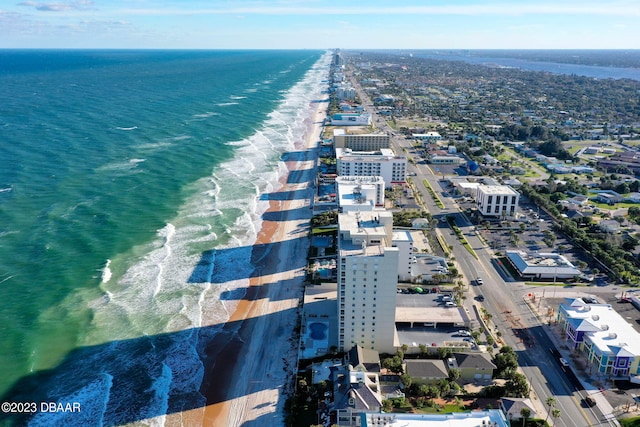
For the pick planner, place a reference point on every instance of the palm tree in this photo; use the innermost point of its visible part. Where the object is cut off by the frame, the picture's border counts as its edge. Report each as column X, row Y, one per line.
column 555, row 414
column 551, row 402
column 525, row 413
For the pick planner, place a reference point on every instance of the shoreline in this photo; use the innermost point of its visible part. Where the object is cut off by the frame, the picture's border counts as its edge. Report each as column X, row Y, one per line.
column 255, row 354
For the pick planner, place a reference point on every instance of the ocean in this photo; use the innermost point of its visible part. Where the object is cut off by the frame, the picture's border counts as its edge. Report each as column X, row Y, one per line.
column 124, row 178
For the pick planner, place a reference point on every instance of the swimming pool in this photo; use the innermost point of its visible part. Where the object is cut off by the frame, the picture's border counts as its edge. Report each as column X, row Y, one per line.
column 318, row 331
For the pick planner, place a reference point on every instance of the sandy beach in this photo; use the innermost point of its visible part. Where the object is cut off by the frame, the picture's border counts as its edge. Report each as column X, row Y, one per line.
column 254, row 358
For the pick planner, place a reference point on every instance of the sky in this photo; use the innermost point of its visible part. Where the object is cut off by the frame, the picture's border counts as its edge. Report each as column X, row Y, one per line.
column 321, row 24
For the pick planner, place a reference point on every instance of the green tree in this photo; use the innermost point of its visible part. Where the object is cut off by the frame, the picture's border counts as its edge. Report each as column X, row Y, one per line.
column 517, row 385
column 555, row 413
column 525, row 413
column 406, row 379
column 506, row 362
column 454, row 374
column 394, row 364
column 423, row 349
column 551, row 402
column 444, row 352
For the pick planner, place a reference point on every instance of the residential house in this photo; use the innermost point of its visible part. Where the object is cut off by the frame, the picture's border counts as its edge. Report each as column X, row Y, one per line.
column 426, row 371
column 609, row 196
column 633, row 198
column 610, row 226
column 512, row 407
column 354, row 393
column 363, row 359
column 472, row 366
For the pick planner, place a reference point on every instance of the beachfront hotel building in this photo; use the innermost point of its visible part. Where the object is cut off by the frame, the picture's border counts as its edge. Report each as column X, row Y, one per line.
column 360, row 193
column 610, row 345
column 367, row 281
column 345, row 91
column 360, row 142
column 382, row 163
column 497, row 201
column 486, row 418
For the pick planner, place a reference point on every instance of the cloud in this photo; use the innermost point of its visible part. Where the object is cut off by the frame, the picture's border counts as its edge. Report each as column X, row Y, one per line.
column 58, row 7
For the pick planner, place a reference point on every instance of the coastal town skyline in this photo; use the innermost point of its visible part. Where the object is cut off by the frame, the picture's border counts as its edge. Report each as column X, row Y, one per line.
column 287, row 24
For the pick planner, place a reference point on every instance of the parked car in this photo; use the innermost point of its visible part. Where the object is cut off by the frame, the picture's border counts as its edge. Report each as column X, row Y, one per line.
column 589, row 401
column 450, row 304
column 463, row 333
column 480, row 298
column 479, row 281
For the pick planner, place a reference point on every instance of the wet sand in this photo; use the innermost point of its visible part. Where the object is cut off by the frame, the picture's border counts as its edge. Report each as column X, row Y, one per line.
column 255, row 356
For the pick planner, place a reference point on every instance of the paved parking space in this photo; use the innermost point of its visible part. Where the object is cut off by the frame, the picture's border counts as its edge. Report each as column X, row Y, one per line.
column 433, row 338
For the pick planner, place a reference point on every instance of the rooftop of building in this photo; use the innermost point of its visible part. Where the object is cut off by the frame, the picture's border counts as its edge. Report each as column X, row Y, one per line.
column 548, row 262
column 351, row 132
column 364, row 226
column 497, row 189
column 608, row 331
column 383, row 152
column 428, row 308
column 402, row 236
column 491, row 417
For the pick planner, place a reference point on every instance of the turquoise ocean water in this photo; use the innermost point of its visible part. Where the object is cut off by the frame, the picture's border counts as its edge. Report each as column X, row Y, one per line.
column 118, row 171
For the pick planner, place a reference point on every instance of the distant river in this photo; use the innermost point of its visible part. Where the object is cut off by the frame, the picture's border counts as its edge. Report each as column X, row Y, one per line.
column 551, row 67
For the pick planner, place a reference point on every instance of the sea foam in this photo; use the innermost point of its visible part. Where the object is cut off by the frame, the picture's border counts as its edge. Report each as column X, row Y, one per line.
column 191, row 277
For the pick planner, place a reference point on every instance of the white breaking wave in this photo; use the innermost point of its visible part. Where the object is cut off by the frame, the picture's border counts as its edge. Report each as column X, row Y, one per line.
column 154, row 146
column 181, row 282
column 206, row 115
column 106, row 272
column 237, row 97
column 127, row 129
column 226, row 104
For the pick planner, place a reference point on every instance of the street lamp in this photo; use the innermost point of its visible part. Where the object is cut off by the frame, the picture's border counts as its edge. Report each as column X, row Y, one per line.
column 555, row 277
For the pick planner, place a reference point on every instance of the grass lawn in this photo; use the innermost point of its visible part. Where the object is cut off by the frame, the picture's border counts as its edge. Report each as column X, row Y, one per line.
column 416, row 123
column 604, row 206
column 559, row 283
column 630, row 422
column 633, row 142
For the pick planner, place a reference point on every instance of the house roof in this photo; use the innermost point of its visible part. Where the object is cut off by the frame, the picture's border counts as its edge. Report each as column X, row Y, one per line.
column 513, row 405
column 426, row 368
column 356, row 390
column 474, row 361
column 367, row 358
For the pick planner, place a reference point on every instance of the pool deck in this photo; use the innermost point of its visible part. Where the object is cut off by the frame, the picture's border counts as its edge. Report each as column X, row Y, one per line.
column 320, row 306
